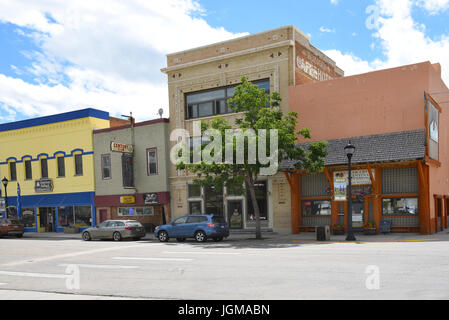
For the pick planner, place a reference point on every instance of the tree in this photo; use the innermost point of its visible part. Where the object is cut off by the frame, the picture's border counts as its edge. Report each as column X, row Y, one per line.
column 236, row 156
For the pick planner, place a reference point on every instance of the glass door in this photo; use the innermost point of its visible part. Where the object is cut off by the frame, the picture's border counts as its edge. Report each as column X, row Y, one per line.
column 235, row 214
column 358, row 210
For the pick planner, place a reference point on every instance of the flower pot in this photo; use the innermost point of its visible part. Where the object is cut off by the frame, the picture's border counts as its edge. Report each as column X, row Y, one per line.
column 370, row 231
column 338, row 232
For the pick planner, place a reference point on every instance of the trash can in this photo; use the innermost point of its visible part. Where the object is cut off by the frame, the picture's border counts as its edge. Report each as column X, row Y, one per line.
column 323, row 233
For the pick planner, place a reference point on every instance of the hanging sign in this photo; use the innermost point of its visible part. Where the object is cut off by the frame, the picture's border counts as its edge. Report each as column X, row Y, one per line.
column 127, row 199
column 340, row 185
column 359, row 177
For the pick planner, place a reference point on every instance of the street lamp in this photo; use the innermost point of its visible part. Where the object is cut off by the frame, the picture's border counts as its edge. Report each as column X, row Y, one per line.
column 350, row 149
column 5, row 183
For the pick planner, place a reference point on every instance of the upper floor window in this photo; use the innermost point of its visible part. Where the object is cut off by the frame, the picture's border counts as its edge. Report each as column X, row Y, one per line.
column 28, row 170
column 44, row 168
column 152, row 161
column 213, row 102
column 78, row 164
column 106, row 166
column 61, row 166
column 12, row 171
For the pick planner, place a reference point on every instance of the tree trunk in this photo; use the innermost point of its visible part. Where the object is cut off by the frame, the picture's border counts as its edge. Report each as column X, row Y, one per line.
column 252, row 193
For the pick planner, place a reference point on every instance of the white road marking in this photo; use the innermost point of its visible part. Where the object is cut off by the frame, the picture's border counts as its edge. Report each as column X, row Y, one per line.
column 100, row 266
column 151, row 259
column 66, row 255
column 200, row 252
column 33, row 275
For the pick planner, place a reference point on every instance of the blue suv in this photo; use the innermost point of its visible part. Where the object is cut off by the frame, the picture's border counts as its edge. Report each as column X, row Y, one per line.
column 199, row 227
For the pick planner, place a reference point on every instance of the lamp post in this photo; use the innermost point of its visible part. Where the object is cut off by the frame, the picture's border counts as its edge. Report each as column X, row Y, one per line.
column 5, row 183
column 350, row 149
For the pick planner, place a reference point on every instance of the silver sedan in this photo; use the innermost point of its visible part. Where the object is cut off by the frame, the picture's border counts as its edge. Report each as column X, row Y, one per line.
column 115, row 230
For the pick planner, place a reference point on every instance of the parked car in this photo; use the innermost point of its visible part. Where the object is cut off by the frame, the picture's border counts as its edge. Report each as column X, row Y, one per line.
column 115, row 230
column 199, row 227
column 11, row 227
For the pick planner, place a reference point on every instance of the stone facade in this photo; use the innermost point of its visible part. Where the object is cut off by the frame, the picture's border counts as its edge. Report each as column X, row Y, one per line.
column 285, row 57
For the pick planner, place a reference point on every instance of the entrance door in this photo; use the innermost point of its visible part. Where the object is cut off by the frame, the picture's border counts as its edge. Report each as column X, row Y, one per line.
column 47, row 219
column 235, row 214
column 358, row 209
column 103, row 215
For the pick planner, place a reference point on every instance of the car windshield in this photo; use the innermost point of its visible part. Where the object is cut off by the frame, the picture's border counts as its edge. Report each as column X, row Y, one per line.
column 218, row 219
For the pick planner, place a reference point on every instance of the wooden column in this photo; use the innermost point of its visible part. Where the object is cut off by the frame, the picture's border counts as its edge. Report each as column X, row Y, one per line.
column 424, row 199
column 293, row 179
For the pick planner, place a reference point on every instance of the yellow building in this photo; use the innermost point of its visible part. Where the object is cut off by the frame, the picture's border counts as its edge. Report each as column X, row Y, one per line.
column 51, row 160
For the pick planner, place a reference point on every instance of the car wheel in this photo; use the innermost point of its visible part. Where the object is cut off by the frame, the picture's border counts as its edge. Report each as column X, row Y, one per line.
column 218, row 239
column 86, row 236
column 181, row 239
column 117, row 236
column 200, row 236
column 163, row 236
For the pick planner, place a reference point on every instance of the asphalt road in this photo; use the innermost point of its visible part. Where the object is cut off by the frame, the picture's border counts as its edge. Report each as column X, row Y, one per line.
column 234, row 269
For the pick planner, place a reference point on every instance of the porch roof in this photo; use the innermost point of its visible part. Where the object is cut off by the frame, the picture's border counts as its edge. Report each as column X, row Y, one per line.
column 387, row 147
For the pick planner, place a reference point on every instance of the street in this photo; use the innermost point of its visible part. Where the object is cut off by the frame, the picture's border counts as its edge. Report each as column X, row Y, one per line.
column 240, row 269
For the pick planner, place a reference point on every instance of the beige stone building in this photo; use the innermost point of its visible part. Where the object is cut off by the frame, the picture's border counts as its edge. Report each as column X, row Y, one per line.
column 200, row 81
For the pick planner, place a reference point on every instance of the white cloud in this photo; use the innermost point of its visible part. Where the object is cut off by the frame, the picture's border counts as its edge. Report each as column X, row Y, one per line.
column 326, row 30
column 105, row 54
column 335, row 2
column 434, row 6
column 402, row 40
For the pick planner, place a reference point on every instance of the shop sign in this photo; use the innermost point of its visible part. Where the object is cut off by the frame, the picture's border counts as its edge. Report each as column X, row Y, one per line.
column 120, row 147
column 340, row 189
column 359, row 177
column 150, row 198
column 127, row 199
column 43, row 185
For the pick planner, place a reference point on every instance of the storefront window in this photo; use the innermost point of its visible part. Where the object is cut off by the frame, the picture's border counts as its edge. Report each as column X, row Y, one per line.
column 214, row 201
column 316, row 208
column 135, row 211
column 400, row 206
column 65, row 216
column 28, row 217
column 261, row 197
column 83, row 216
column 195, row 207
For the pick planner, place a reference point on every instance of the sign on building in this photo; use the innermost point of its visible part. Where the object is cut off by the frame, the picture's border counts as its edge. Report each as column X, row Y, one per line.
column 150, row 198
column 43, row 185
column 120, row 147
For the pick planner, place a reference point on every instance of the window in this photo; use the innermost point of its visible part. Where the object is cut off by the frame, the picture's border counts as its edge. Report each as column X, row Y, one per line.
column 78, row 164
column 152, row 161
column 28, row 217
column 213, row 200
column 83, row 216
column 195, row 207
column 61, row 166
column 65, row 216
column 28, row 170
column 181, row 220
column 261, row 197
column 194, row 191
column 106, row 166
column 12, row 171
column 127, row 170
column 44, row 168
column 213, row 102
column 135, row 211
column 400, row 207
column 316, row 208
column 196, row 219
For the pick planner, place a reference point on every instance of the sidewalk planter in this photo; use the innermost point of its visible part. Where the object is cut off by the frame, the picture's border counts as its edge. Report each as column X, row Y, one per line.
column 338, row 230
column 370, row 231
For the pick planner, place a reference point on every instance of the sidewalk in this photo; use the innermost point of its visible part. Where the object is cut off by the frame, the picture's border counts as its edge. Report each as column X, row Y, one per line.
column 273, row 236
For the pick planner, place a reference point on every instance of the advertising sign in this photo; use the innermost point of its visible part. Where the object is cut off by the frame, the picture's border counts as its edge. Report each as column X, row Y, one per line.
column 43, row 185
column 433, row 124
column 359, row 177
column 340, row 185
column 150, row 198
column 120, row 147
column 127, row 199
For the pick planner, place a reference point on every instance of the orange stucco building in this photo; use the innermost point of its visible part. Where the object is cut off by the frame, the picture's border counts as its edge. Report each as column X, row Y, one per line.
column 398, row 120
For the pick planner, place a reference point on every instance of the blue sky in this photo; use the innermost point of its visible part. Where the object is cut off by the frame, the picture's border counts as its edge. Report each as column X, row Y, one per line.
column 64, row 55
